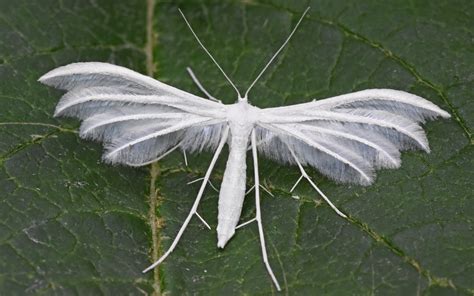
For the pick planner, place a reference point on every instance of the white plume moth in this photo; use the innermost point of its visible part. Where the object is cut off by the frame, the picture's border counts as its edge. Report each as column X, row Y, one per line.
column 141, row 120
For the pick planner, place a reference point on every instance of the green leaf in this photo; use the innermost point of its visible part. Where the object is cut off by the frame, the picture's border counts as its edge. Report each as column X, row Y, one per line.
column 70, row 224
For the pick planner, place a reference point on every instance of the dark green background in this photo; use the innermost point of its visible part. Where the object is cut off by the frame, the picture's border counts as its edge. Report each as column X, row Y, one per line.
column 70, row 224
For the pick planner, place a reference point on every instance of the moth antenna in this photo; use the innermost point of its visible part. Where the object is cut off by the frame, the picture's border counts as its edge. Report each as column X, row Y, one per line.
column 200, row 86
column 208, row 53
column 277, row 52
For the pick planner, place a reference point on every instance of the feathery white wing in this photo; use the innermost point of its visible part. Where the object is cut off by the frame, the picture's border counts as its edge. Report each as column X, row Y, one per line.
column 349, row 136
column 137, row 117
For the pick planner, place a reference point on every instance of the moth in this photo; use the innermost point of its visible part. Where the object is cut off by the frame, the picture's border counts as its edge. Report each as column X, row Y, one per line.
column 141, row 120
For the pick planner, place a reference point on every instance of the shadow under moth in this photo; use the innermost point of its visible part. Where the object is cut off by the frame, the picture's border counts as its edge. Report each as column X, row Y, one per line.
column 141, row 120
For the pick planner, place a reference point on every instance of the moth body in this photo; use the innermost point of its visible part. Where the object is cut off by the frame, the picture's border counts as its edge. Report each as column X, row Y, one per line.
column 241, row 117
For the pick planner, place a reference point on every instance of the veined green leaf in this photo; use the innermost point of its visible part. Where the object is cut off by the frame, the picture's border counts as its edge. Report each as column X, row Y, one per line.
column 70, row 224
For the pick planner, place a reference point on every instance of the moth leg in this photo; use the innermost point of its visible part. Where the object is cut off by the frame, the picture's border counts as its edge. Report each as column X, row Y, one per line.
column 263, row 141
column 199, row 85
column 258, row 217
column 306, row 176
column 250, row 190
column 197, row 214
column 208, row 181
column 203, row 221
column 245, row 223
column 196, row 202
column 156, row 159
column 185, row 157
column 261, row 186
column 296, row 183
column 246, row 193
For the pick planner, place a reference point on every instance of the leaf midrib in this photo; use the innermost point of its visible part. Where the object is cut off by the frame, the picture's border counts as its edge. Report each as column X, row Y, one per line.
column 154, row 200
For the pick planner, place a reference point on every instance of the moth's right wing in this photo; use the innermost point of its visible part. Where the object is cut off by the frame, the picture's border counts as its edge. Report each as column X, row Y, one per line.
column 348, row 137
column 137, row 117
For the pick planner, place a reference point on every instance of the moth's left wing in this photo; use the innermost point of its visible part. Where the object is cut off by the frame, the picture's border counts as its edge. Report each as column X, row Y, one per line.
column 137, row 117
column 347, row 137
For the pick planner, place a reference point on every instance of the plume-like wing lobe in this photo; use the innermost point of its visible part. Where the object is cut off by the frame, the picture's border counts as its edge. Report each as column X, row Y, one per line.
column 136, row 117
column 348, row 137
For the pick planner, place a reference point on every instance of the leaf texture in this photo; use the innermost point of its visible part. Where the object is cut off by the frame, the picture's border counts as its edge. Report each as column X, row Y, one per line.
column 70, row 224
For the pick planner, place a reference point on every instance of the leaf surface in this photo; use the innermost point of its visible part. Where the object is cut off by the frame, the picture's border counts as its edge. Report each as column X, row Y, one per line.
column 70, row 224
